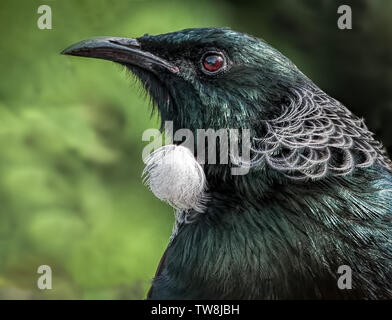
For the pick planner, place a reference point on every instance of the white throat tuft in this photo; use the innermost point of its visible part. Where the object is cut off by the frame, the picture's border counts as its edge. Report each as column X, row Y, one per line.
column 174, row 176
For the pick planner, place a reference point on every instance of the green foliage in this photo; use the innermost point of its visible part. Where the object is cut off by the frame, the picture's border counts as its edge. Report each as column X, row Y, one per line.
column 70, row 188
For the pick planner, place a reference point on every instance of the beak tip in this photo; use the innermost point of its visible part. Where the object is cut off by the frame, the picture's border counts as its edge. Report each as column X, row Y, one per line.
column 71, row 50
column 67, row 51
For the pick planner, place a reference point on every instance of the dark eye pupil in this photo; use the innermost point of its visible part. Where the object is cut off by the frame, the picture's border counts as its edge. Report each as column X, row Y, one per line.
column 213, row 62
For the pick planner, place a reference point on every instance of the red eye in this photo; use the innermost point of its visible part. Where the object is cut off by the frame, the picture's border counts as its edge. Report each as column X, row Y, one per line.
column 213, row 62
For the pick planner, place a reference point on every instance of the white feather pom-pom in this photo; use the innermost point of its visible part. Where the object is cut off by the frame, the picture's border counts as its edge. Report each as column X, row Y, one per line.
column 174, row 176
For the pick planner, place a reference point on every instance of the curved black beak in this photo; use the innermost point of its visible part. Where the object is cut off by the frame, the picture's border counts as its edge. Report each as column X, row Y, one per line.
column 122, row 50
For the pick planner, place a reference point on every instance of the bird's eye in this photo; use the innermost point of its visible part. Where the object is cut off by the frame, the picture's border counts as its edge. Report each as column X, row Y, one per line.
column 212, row 62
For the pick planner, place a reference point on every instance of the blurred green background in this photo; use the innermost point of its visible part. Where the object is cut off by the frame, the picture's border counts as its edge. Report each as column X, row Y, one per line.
column 71, row 195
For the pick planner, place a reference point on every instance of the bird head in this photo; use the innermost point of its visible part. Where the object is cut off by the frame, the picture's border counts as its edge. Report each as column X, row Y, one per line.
column 202, row 78
column 216, row 78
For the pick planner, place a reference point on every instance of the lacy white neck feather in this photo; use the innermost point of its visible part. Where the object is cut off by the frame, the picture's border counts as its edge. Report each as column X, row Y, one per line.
column 317, row 136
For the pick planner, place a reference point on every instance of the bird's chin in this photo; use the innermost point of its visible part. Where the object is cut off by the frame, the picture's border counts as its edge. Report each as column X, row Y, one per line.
column 157, row 90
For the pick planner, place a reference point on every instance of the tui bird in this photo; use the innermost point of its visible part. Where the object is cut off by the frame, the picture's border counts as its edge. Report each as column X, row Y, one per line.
column 318, row 194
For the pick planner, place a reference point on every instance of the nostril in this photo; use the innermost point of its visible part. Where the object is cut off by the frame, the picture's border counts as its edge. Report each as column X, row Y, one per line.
column 130, row 43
